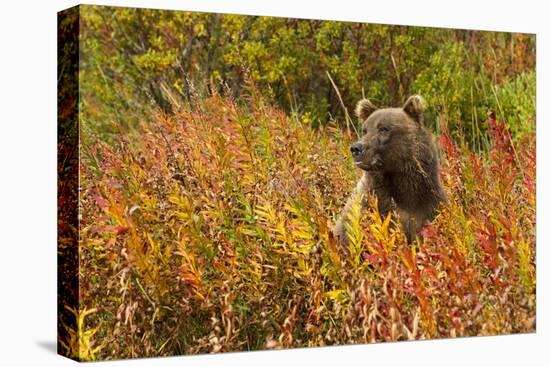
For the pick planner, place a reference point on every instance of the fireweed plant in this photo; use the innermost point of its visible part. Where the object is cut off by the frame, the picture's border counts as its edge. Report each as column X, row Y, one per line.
column 208, row 230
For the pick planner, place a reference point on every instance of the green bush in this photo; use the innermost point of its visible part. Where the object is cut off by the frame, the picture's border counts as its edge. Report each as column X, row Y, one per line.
column 134, row 61
column 515, row 101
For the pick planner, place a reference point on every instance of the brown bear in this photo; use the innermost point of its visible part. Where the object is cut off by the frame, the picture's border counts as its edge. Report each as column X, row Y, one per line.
column 399, row 157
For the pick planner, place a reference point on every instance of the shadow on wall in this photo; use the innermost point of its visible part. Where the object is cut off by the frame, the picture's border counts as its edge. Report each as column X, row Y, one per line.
column 48, row 345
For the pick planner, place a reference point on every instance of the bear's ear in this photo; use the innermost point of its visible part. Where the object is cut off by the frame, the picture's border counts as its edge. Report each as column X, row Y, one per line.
column 364, row 109
column 414, row 107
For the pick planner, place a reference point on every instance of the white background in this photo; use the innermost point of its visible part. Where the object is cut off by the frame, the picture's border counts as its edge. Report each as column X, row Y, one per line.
column 28, row 182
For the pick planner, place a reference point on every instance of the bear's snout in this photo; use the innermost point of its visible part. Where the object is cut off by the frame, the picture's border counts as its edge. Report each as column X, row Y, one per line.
column 357, row 149
column 365, row 157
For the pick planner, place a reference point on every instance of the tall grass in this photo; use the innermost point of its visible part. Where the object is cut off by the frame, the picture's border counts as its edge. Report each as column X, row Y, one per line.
column 209, row 231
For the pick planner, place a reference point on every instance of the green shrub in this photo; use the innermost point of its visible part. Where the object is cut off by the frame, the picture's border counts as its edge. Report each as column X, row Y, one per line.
column 134, row 61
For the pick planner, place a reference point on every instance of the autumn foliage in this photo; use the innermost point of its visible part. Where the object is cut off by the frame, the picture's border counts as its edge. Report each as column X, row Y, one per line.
column 208, row 230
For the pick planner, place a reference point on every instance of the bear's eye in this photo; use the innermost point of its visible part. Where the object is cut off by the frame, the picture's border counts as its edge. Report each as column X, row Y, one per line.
column 364, row 131
column 383, row 129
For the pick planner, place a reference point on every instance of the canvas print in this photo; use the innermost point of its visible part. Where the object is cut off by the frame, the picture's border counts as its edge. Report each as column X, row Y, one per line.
column 238, row 183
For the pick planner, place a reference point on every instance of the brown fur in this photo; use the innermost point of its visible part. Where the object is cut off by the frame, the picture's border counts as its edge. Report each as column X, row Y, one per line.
column 399, row 157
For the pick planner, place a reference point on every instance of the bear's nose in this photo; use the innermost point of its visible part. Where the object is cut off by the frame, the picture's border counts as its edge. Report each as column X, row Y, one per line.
column 356, row 149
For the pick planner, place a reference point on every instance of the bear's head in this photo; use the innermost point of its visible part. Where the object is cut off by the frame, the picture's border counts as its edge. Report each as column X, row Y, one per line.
column 389, row 135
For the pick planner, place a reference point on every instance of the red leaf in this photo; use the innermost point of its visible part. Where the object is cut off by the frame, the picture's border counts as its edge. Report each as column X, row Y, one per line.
column 100, row 201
